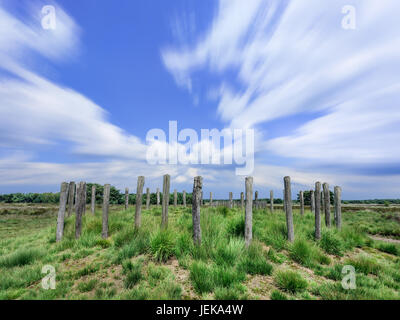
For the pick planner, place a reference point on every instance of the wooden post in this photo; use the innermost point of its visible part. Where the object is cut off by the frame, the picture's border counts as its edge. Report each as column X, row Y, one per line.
column 322, row 202
column 230, row 200
column 201, row 201
column 76, row 197
column 284, row 204
column 126, row 198
column 71, row 193
column 248, row 229
column 327, row 204
column 139, row 200
column 256, row 199
column 318, row 210
column 148, row 198
column 158, row 197
column 93, row 200
column 80, row 208
column 288, row 209
column 184, row 198
column 242, row 200
column 175, row 198
column 61, row 211
column 312, row 201
column 106, row 204
column 338, row 207
column 165, row 201
column 302, row 203
column 211, row 203
column 196, row 198
column 271, row 200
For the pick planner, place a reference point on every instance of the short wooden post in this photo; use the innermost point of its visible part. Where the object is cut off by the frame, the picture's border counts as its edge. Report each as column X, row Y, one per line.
column 248, row 230
column 165, row 201
column 338, row 207
column 196, row 198
column 184, row 198
column 230, row 200
column 327, row 204
column 256, row 199
column 312, row 201
column 61, row 211
column 242, row 200
column 288, row 209
column 175, row 198
column 126, row 198
column 106, row 204
column 148, row 198
column 71, row 194
column 139, row 200
column 302, row 203
column 211, row 199
column 318, row 210
column 271, row 200
column 93, row 200
column 158, row 197
column 80, row 207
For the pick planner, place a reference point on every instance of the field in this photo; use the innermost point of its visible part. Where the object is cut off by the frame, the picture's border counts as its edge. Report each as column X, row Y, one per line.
column 152, row 264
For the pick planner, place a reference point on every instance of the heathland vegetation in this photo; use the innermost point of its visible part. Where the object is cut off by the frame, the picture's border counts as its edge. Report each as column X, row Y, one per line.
column 151, row 263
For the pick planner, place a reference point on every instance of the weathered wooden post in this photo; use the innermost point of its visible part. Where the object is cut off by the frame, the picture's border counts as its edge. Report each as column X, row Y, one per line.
column 284, row 203
column 312, row 201
column 71, row 193
column 338, row 207
column 318, row 210
column 256, row 199
column 76, row 197
column 79, row 207
column 248, row 218
column 158, row 197
column 139, row 200
column 211, row 199
column 196, row 198
column 61, row 211
column 201, row 201
column 271, row 200
column 322, row 202
column 93, row 200
column 230, row 200
column 175, row 198
column 106, row 204
column 148, row 198
column 288, row 209
column 184, row 198
column 165, row 201
column 327, row 204
column 126, row 198
column 302, row 203
column 242, row 200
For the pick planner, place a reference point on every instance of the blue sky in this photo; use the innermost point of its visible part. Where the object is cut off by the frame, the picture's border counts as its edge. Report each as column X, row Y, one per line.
column 76, row 102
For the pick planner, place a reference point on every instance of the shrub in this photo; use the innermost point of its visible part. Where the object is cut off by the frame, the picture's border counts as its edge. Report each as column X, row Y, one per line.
column 227, row 254
column 254, row 261
column 290, row 281
column 331, row 243
column 162, row 245
column 301, row 252
column 201, row 276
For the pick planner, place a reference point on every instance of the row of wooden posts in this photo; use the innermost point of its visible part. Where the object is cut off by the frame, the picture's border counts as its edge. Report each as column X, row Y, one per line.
column 68, row 191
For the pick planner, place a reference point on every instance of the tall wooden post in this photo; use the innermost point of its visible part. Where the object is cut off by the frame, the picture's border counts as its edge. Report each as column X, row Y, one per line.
column 338, row 207
column 175, row 198
column 61, row 211
column 139, row 200
column 184, row 198
column 211, row 199
column 248, row 229
column 106, row 204
column 318, row 210
column 288, row 209
column 196, row 198
column 312, row 201
column 148, row 195
column 302, row 203
column 93, row 200
column 165, row 201
column 80, row 207
column 158, row 196
column 322, row 202
column 271, row 200
column 126, row 198
column 327, row 204
column 71, row 194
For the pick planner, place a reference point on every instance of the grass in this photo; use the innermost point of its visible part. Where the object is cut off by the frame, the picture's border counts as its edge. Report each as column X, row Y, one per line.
column 151, row 263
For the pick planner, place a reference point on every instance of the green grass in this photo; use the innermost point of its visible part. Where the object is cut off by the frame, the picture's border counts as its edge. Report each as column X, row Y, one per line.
column 151, row 263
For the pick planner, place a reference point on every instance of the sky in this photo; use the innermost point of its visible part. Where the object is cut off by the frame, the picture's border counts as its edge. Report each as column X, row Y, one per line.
column 78, row 100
